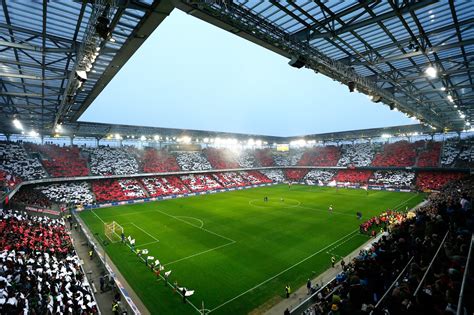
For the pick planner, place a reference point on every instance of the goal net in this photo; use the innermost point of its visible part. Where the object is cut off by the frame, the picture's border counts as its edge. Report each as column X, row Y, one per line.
column 113, row 231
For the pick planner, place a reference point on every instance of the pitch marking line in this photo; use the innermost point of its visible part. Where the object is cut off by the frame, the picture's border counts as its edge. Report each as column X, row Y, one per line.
column 156, row 240
column 97, row 216
column 197, row 227
column 404, row 202
column 197, row 254
column 282, row 272
column 146, row 244
column 200, row 221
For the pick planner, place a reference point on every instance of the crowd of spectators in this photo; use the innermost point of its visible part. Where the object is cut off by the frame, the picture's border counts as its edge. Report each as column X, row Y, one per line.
column 221, row 158
column 111, row 161
column 192, row 161
column 395, row 179
column 200, row 182
column 295, row 174
column 358, row 154
column 39, row 270
column 70, row 193
column 264, row 157
column 156, row 161
column 429, row 156
column 426, row 180
column 59, row 161
column 289, row 158
column 408, row 237
column 450, row 152
column 164, row 185
column 353, row 176
column 33, row 197
column 400, row 154
column 107, row 190
column 15, row 161
column 316, row 177
column 320, row 156
column 246, row 159
column 276, row 175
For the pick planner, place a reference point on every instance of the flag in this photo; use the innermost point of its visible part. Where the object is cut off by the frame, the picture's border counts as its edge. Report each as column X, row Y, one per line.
column 167, row 274
column 150, row 258
column 157, row 262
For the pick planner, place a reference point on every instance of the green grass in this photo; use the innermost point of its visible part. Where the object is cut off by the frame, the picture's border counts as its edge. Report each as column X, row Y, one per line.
column 223, row 245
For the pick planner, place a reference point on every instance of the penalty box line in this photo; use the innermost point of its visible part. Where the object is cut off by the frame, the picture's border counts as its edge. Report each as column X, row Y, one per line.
column 283, row 271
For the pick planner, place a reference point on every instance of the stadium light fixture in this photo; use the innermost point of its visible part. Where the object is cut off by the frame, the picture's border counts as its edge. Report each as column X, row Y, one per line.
column 58, row 128
column 443, row 89
column 450, row 98
column 17, row 124
column 156, row 137
column 462, row 116
column 431, row 72
column 142, row 138
column 82, row 74
column 33, row 133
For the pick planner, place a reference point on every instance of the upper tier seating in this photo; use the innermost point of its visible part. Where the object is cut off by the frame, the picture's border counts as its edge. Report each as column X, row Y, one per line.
column 276, row 176
column 315, row 177
column 320, row 156
column 429, row 156
column 246, row 159
column 451, row 150
column 359, row 154
column 61, row 161
column 399, row 179
column 287, row 158
column 353, row 176
column 295, row 175
column 164, row 185
column 40, row 271
column 78, row 193
column 193, row 161
column 435, row 180
column 401, row 154
column 111, row 161
column 221, row 158
column 200, row 182
column 15, row 161
column 264, row 157
column 157, row 161
column 466, row 156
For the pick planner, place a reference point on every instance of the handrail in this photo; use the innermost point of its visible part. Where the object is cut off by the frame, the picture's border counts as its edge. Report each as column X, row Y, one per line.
column 308, row 299
column 394, row 282
column 466, row 271
column 430, row 265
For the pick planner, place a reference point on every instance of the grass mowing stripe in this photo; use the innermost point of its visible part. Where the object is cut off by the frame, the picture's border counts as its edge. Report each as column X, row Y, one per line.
column 197, row 227
column 97, row 216
column 282, row 272
column 197, row 254
column 269, row 239
column 156, row 240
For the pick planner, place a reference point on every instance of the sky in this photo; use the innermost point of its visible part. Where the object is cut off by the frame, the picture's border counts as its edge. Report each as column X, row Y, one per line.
column 192, row 75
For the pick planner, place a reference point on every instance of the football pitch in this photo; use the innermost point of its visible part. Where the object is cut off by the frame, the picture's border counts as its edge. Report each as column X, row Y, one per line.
column 235, row 250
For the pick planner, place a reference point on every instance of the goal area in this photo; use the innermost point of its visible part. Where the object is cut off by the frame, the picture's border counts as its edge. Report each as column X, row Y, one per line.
column 113, row 231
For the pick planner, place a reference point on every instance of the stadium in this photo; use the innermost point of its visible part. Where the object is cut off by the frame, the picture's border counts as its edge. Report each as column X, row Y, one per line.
column 101, row 217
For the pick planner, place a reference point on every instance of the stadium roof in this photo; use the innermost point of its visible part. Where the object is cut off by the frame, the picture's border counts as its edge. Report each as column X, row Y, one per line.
column 381, row 48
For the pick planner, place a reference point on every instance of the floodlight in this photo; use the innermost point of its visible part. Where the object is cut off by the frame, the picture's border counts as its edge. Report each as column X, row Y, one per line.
column 450, row 98
column 82, row 74
column 17, row 124
column 33, row 133
column 143, row 138
column 431, row 72
column 156, row 137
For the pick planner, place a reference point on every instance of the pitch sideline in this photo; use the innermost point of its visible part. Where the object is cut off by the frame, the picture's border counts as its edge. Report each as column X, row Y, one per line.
column 282, row 272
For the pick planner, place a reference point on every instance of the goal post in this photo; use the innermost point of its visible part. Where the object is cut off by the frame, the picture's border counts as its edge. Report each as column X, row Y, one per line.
column 113, row 231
